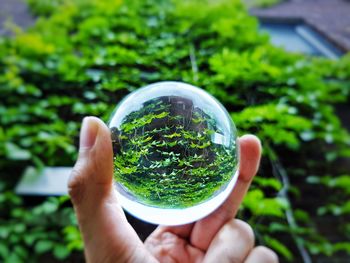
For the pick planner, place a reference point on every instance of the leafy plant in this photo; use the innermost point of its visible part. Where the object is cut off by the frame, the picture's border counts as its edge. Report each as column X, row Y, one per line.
column 48, row 228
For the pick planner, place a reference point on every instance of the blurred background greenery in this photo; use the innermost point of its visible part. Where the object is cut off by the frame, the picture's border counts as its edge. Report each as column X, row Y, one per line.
column 83, row 56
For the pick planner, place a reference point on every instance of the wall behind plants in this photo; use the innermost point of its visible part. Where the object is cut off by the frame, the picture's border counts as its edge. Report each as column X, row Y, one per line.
column 83, row 56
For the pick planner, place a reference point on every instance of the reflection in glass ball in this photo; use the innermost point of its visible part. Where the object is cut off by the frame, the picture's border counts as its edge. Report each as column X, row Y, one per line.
column 175, row 153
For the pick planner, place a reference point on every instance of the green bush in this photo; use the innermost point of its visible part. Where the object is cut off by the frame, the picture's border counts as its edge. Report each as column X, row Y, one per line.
column 29, row 235
column 83, row 56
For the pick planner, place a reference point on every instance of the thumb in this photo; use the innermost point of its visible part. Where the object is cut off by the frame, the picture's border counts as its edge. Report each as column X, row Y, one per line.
column 105, row 230
column 92, row 175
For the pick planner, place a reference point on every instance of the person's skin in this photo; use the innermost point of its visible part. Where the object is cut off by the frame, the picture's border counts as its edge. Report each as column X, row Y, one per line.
column 108, row 237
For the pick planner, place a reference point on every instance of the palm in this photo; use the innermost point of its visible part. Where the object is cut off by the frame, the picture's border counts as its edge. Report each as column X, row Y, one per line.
column 166, row 246
column 203, row 240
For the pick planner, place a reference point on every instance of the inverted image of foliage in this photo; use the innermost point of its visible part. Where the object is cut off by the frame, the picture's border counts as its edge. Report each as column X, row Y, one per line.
column 83, row 56
column 165, row 154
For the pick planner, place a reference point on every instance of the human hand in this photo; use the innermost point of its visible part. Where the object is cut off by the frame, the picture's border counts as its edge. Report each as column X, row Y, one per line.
column 108, row 237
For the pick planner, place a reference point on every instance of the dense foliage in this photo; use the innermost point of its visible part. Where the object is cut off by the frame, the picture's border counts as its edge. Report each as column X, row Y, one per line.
column 83, row 56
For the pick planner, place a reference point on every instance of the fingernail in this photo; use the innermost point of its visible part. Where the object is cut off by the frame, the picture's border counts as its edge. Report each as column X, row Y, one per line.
column 88, row 133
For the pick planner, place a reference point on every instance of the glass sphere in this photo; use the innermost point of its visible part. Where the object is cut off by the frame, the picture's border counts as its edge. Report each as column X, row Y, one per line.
column 175, row 153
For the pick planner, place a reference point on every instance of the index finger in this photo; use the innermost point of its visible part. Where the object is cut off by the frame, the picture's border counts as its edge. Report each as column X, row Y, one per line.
column 204, row 230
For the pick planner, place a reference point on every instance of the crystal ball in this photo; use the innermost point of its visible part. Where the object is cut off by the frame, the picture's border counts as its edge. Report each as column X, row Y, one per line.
column 175, row 153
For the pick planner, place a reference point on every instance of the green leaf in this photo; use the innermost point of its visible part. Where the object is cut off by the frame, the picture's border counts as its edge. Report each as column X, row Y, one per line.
column 21, row 252
column 43, row 246
column 4, row 231
column 260, row 205
column 29, row 239
column 268, row 182
column 279, row 247
column 4, row 250
column 61, row 252
column 13, row 257
column 13, row 152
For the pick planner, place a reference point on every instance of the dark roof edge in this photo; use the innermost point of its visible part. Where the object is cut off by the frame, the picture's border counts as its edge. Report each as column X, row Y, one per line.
column 276, row 19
